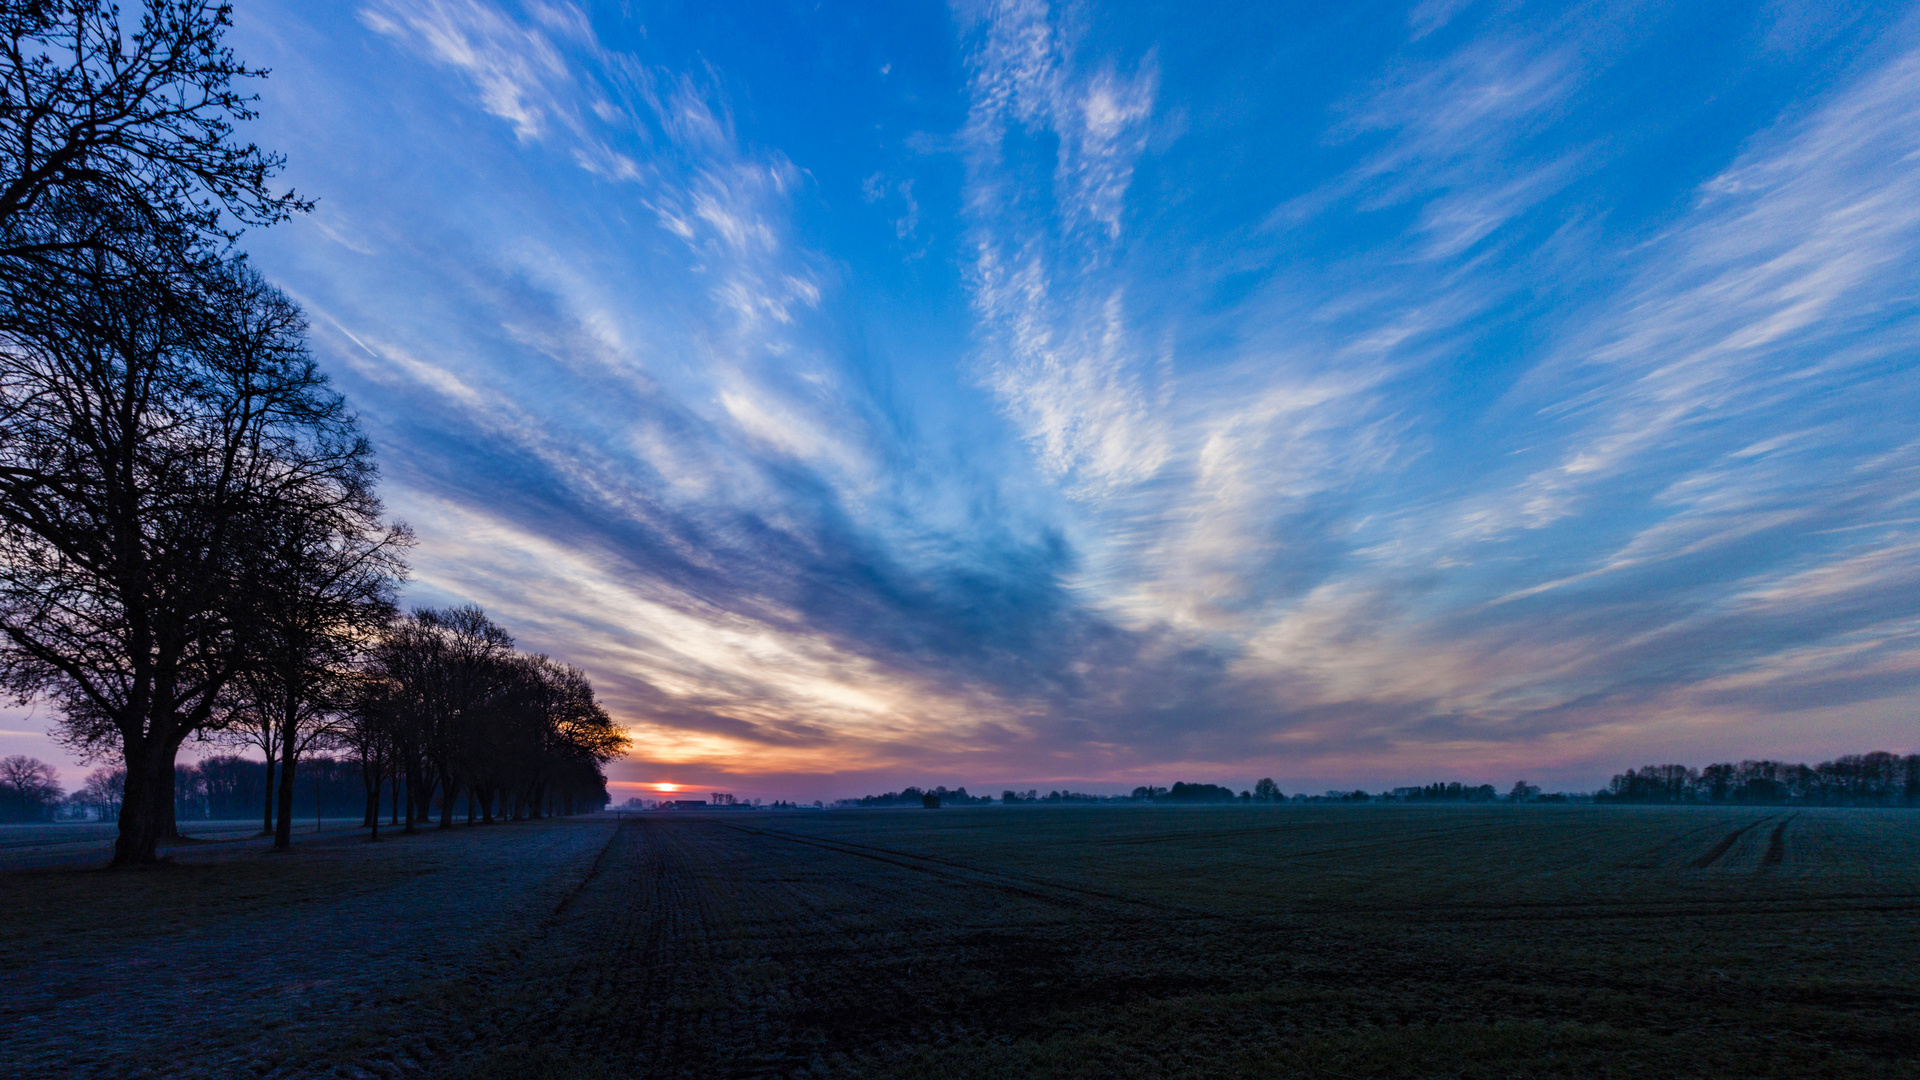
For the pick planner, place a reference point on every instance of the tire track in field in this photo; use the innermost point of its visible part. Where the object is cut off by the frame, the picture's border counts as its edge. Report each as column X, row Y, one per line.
column 842, row 948
column 1777, row 845
column 1726, row 843
column 1024, row 885
column 1019, row 885
column 599, row 861
column 1231, row 834
column 1643, row 861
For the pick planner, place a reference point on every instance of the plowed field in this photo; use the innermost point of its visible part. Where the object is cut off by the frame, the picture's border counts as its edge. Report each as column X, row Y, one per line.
column 1075, row 942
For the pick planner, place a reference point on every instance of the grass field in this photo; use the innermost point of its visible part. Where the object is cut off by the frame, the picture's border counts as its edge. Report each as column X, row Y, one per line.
column 1335, row 941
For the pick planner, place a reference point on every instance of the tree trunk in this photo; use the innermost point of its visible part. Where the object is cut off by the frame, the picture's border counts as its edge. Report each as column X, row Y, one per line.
column 266, row 828
column 413, row 795
column 139, row 810
column 283, row 829
column 166, row 801
column 448, row 795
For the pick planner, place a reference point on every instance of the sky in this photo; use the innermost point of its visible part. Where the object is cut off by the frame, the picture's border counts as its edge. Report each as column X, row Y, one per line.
column 1097, row 394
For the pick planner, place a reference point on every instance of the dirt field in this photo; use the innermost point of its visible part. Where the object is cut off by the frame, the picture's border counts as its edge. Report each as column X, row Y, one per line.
column 1075, row 942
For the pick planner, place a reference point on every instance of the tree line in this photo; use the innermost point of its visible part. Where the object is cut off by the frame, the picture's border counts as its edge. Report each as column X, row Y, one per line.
column 190, row 539
column 922, row 797
column 1264, row 791
column 225, row 786
column 446, row 715
column 1876, row 779
column 436, row 711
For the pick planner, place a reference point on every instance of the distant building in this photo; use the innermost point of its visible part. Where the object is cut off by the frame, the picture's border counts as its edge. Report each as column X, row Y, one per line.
column 684, row 804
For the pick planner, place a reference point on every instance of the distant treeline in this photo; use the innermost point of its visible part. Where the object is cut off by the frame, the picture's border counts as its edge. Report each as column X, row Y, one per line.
column 1015, row 798
column 1266, row 791
column 914, row 796
column 1876, row 779
column 1456, row 792
column 233, row 787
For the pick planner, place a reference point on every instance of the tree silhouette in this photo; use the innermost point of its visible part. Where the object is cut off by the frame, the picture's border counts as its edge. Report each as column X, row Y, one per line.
column 28, row 788
column 143, row 434
column 153, row 394
column 110, row 133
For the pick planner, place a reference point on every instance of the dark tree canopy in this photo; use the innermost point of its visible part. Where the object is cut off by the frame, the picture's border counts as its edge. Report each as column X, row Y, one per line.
column 449, row 706
column 150, row 442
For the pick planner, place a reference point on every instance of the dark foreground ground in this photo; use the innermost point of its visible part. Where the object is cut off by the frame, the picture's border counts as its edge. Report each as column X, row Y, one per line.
column 1081, row 942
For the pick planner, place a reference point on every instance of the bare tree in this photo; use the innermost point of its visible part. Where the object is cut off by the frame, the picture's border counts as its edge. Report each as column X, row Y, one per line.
column 110, row 130
column 321, row 588
column 577, row 736
column 369, row 731
column 28, row 788
column 452, row 708
column 149, row 392
column 545, row 741
column 253, row 728
column 105, row 789
column 468, row 652
column 442, row 671
column 143, row 430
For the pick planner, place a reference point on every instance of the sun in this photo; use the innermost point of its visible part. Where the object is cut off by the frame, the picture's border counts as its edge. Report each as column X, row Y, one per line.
column 666, row 787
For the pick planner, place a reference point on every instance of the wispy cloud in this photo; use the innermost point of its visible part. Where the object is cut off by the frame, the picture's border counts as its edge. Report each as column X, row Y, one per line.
column 1436, row 467
column 1057, row 345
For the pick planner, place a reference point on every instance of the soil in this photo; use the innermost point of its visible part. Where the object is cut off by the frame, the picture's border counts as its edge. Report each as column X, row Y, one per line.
column 997, row 941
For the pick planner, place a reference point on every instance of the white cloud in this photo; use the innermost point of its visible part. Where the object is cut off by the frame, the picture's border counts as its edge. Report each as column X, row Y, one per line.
column 517, row 72
column 1059, row 350
column 1753, row 300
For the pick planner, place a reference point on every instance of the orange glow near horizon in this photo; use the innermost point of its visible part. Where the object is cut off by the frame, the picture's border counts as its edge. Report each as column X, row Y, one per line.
column 665, row 787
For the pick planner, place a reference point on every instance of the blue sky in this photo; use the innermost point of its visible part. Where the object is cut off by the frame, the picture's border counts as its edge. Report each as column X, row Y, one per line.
column 1028, row 394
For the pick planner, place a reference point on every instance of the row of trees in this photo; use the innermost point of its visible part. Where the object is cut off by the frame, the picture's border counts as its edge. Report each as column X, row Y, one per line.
column 1264, row 791
column 227, row 786
column 30, row 791
column 1014, row 798
column 1454, row 791
column 428, row 709
column 1876, row 779
column 434, row 708
column 448, row 710
column 190, row 541
column 914, row 796
column 166, row 443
